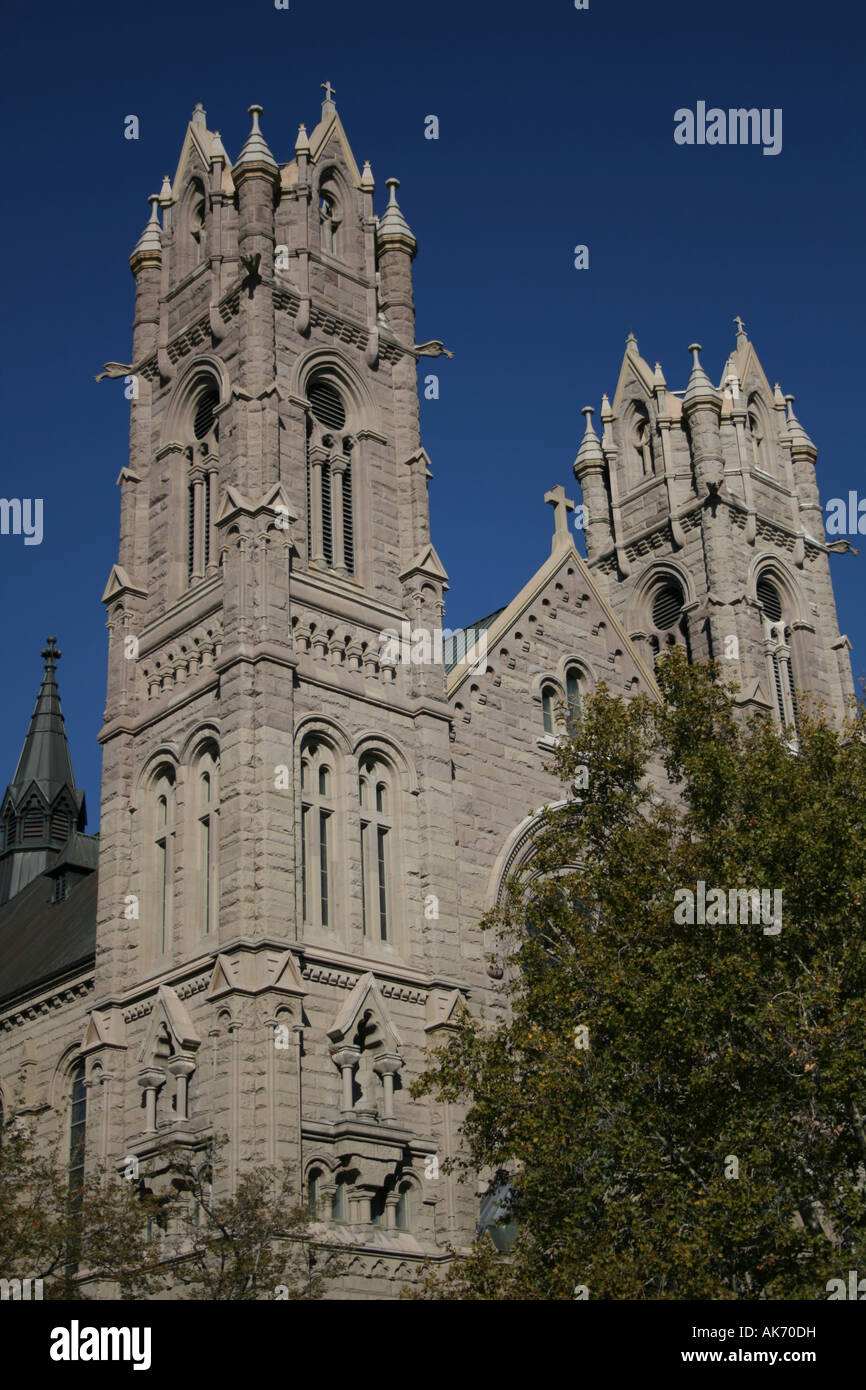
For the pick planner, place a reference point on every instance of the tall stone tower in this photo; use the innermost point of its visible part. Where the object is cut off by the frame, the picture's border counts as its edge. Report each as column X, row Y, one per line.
column 277, row 935
column 704, row 520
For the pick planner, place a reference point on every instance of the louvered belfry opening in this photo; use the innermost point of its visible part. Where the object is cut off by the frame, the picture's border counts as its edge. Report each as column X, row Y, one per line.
column 768, row 598
column 326, row 405
column 779, row 649
column 329, row 413
column 203, row 422
column 669, row 619
column 667, row 607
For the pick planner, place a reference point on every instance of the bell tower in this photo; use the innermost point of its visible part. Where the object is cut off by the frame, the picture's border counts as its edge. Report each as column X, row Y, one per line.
column 277, row 813
column 705, row 522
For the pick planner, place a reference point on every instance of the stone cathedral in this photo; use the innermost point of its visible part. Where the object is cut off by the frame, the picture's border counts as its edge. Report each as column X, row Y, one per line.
column 300, row 830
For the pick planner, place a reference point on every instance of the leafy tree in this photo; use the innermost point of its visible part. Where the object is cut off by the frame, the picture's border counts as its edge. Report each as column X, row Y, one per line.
column 678, row 1108
column 252, row 1244
column 77, row 1241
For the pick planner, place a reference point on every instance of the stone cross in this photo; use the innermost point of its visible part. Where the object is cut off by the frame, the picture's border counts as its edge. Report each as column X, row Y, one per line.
column 562, row 505
column 50, row 654
column 741, row 327
column 329, row 91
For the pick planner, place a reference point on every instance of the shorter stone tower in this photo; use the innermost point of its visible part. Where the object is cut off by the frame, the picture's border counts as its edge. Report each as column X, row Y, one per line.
column 705, row 526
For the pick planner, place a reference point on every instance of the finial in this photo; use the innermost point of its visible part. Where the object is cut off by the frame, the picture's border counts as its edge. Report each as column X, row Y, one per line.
column 255, row 112
column 302, row 144
column 631, row 343
column 51, row 654
column 367, row 180
column 789, row 402
column 606, row 412
column 199, row 115
column 658, row 375
column 165, row 191
column 741, row 328
column 154, row 204
column 562, row 505
column 590, row 450
column 694, row 349
column 330, row 93
column 393, row 184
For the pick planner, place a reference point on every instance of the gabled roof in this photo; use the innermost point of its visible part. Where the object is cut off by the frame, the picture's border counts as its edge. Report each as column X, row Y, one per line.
column 508, row 616
column 330, row 126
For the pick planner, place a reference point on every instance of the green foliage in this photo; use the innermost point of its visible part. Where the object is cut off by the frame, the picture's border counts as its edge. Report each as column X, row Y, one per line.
column 75, row 1242
column 705, row 1042
column 246, row 1245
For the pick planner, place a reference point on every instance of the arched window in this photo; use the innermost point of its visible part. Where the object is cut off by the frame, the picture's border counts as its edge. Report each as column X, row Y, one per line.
column 192, row 241
column 329, row 214
column 206, row 794
column 572, row 694
column 668, row 625
column 777, row 649
column 77, row 1130
column 640, row 440
column 163, row 859
column 548, row 706
column 318, row 823
column 339, row 1204
column 759, row 433
column 330, row 496
column 202, row 483
column 375, row 795
column 402, row 1213
column 314, row 1181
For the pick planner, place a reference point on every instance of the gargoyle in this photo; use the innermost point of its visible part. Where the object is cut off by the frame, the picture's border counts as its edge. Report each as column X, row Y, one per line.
column 251, row 266
column 432, row 349
column 114, row 369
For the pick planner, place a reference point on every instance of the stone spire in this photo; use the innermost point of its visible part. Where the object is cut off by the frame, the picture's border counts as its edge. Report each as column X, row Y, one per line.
column 700, row 390
column 255, row 157
column 590, row 470
column 394, row 230
column 45, row 757
column 148, row 248
column 590, row 447
column 43, row 782
column 800, row 441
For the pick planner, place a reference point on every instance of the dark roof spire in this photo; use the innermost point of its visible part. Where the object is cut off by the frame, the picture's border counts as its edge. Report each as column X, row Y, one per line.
column 45, row 757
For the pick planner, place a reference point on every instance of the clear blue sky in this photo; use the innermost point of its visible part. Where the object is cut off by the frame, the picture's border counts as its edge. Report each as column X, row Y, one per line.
column 556, row 128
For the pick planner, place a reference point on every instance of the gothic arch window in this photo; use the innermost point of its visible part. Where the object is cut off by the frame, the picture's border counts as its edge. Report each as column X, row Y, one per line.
column 759, row 433
column 193, row 227
column 549, row 696
column 777, row 650
column 376, row 797
column 314, row 1183
column 573, row 693
column 202, row 440
column 330, row 490
column 318, row 833
column 640, row 442
column 668, row 625
column 77, row 1129
column 205, row 799
column 163, row 808
column 330, row 215
column 339, row 1200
